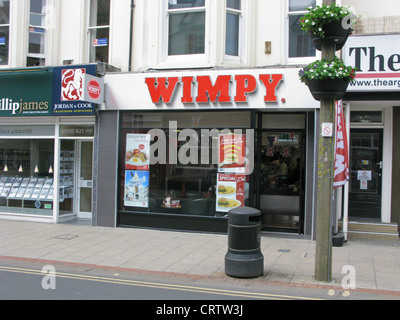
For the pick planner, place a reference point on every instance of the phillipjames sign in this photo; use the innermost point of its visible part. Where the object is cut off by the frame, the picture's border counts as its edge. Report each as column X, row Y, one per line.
column 48, row 91
column 26, row 93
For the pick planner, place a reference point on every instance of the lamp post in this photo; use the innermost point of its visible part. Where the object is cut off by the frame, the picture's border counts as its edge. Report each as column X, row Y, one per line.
column 323, row 253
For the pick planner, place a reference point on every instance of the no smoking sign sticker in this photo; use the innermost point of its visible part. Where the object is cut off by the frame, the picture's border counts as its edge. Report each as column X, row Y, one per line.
column 327, row 129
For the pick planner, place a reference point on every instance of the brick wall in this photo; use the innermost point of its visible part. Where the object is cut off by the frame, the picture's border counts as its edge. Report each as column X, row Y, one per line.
column 378, row 25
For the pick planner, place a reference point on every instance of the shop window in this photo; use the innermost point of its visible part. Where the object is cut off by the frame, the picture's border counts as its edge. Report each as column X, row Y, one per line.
column 4, row 31
column 365, row 117
column 182, row 177
column 99, row 31
column 37, row 33
column 187, row 24
column 233, row 25
column 26, row 176
column 300, row 44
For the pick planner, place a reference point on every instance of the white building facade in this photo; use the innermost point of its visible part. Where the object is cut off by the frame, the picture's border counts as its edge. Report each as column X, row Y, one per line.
column 207, row 66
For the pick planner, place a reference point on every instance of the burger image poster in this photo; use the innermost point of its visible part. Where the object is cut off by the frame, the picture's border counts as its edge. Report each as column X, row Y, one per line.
column 230, row 191
column 232, row 148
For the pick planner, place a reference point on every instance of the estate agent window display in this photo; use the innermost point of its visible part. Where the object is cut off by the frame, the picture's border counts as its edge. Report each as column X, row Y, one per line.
column 26, row 178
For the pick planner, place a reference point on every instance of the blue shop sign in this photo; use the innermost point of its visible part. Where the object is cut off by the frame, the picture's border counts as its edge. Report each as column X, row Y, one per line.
column 68, row 90
column 102, row 42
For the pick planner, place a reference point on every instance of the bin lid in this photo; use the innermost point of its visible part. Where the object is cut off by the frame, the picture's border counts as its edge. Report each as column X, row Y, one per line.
column 241, row 215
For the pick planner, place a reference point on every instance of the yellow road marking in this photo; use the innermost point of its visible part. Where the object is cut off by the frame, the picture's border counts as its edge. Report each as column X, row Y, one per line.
column 256, row 295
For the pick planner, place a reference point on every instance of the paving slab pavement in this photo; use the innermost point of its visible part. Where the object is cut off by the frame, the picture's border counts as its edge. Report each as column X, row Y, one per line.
column 288, row 261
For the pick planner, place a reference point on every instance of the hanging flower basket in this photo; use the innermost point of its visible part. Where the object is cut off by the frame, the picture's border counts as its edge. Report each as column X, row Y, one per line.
column 334, row 34
column 328, row 24
column 327, row 78
column 328, row 88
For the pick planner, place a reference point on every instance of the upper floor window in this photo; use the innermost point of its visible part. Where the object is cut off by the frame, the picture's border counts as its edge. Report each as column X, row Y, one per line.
column 202, row 33
column 37, row 33
column 187, row 24
column 233, row 21
column 300, row 44
column 99, row 30
column 4, row 31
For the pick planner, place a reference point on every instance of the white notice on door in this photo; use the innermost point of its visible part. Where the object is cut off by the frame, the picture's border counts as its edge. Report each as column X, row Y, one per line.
column 364, row 175
column 363, row 185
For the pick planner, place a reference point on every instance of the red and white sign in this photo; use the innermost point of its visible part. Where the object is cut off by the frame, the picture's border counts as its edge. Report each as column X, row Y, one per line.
column 208, row 89
column 327, row 129
column 230, row 191
column 163, row 88
column 72, row 84
column 93, row 89
column 77, row 85
column 286, row 151
column 232, row 152
column 341, row 153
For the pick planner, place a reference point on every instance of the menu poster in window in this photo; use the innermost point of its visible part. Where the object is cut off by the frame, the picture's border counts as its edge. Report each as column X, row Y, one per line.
column 232, row 148
column 137, row 152
column 136, row 189
column 230, row 191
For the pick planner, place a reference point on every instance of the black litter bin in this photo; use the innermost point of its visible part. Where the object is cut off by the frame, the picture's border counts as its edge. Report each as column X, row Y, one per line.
column 244, row 258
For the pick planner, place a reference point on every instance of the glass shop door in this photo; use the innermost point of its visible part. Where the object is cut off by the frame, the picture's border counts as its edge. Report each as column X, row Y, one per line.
column 85, row 179
column 365, row 195
column 281, row 180
column 76, row 178
column 67, row 167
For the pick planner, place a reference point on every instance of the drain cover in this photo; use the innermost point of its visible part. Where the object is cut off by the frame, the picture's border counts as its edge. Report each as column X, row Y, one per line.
column 283, row 250
column 309, row 255
column 66, row 236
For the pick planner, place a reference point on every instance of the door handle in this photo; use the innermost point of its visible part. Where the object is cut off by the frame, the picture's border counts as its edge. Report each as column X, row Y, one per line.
column 380, row 164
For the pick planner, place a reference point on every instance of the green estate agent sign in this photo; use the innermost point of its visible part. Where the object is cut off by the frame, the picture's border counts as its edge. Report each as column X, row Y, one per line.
column 48, row 91
column 26, row 93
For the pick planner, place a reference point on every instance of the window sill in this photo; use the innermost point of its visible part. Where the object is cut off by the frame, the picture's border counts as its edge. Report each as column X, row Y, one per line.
column 192, row 64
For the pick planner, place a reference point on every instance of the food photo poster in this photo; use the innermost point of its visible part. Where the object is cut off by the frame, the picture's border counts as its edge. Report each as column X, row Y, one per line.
column 137, row 152
column 137, row 163
column 230, row 191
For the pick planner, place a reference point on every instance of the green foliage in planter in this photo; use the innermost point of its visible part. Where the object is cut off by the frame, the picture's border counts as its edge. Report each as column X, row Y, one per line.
column 318, row 17
column 327, row 69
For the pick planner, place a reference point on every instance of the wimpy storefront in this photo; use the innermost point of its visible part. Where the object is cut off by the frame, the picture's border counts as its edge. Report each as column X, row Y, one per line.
column 372, row 105
column 193, row 144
